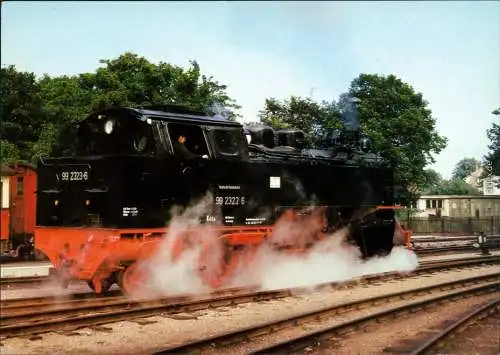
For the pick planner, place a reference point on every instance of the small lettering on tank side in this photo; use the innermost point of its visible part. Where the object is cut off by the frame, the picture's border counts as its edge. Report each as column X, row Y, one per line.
column 130, row 211
column 229, row 187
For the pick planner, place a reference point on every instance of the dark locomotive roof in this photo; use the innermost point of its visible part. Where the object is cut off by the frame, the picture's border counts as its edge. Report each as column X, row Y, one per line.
column 263, row 142
column 174, row 114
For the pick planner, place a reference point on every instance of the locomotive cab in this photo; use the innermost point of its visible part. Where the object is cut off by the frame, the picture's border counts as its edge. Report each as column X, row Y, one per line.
column 116, row 133
column 121, row 154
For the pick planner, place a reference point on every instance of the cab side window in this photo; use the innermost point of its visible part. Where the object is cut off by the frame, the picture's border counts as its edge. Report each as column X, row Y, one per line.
column 189, row 137
column 227, row 141
column 142, row 139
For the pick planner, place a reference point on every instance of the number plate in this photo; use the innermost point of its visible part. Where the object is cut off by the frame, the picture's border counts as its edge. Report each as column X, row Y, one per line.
column 229, row 195
column 74, row 174
column 230, row 200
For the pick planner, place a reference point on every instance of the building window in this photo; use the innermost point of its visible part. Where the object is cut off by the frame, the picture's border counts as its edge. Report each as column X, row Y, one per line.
column 20, row 186
column 433, row 204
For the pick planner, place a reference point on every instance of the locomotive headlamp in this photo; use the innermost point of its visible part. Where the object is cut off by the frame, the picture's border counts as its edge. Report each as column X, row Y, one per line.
column 56, row 202
column 109, row 126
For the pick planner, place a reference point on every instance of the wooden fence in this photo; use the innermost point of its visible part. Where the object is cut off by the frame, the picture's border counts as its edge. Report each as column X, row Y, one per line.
column 453, row 225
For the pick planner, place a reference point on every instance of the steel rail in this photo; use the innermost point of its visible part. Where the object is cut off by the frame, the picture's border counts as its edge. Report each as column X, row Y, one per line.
column 15, row 322
column 75, row 300
column 23, row 280
column 439, row 239
column 316, row 337
column 492, row 280
column 439, row 338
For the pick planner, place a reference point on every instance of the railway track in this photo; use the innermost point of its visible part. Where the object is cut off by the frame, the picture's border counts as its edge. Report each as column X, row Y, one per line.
column 45, row 314
column 461, row 324
column 92, row 300
column 419, row 239
column 399, row 303
column 494, row 241
column 445, row 250
column 25, row 280
column 21, row 319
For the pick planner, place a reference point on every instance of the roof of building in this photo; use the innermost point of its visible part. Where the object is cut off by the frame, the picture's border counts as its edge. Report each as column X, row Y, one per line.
column 23, row 164
column 6, row 171
column 449, row 197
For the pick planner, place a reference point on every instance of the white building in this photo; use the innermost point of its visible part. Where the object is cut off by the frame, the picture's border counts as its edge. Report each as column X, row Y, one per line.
column 491, row 186
column 475, row 177
column 458, row 206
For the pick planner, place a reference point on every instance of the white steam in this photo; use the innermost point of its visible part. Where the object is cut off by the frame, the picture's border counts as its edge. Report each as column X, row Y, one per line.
column 331, row 259
column 169, row 272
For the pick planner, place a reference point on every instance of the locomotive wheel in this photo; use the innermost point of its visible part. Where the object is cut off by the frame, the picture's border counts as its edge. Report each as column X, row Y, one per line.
column 104, row 286
column 216, row 270
column 132, row 280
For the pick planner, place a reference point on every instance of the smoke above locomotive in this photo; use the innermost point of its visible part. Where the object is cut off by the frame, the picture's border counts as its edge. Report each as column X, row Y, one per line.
column 136, row 167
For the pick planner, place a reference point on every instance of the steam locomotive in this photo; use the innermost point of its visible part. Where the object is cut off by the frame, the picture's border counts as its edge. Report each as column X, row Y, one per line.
column 102, row 212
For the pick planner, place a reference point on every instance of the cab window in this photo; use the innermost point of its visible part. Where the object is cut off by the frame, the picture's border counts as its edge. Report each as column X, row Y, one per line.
column 227, row 141
column 186, row 136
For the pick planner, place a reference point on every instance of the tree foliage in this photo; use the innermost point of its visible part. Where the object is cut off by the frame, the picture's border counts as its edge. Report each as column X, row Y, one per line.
column 21, row 115
column 9, row 153
column 131, row 80
column 464, row 168
column 453, row 187
column 391, row 113
column 435, row 185
column 301, row 113
column 400, row 125
column 432, row 181
column 492, row 158
column 39, row 116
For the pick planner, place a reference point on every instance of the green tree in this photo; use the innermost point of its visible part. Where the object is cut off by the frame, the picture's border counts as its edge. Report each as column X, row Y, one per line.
column 432, row 181
column 9, row 153
column 21, row 115
column 390, row 112
column 492, row 158
column 435, row 185
column 453, row 187
column 130, row 80
column 301, row 113
column 465, row 167
column 400, row 125
column 65, row 101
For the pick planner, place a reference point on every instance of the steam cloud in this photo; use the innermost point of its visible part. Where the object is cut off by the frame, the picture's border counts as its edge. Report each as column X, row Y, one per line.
column 219, row 110
column 329, row 260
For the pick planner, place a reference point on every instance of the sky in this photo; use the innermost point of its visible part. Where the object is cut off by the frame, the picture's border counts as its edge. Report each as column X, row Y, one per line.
column 448, row 51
